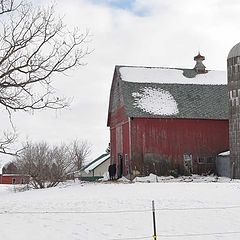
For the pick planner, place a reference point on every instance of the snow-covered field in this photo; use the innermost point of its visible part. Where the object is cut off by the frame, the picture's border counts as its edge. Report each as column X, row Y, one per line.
column 104, row 211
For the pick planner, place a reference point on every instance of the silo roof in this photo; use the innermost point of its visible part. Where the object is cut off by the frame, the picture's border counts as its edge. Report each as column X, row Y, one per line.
column 235, row 51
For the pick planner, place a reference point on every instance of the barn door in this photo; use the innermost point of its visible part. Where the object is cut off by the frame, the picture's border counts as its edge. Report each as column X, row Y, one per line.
column 119, row 139
column 120, row 165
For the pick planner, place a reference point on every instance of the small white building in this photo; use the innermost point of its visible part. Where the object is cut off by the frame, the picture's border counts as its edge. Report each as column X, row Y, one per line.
column 223, row 165
column 95, row 169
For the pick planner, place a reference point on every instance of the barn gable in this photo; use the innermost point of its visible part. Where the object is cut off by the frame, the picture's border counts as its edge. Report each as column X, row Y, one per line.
column 116, row 102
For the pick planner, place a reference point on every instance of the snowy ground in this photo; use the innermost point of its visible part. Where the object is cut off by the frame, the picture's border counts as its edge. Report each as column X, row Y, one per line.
column 103, row 211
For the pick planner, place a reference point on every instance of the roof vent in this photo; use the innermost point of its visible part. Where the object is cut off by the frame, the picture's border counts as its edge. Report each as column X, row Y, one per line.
column 199, row 67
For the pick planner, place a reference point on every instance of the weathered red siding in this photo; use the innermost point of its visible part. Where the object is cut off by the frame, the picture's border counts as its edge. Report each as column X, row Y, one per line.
column 119, row 138
column 118, row 117
column 157, row 145
column 126, row 149
column 167, row 140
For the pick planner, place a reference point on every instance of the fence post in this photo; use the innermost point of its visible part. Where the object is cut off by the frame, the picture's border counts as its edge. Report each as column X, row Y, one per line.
column 154, row 222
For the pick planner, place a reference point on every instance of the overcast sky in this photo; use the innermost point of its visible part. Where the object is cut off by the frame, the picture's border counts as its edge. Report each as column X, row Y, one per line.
column 166, row 33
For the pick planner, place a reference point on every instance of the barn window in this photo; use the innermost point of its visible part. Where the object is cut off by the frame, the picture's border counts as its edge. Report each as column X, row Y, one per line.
column 210, row 159
column 206, row 160
column 234, row 93
column 236, row 68
column 238, row 59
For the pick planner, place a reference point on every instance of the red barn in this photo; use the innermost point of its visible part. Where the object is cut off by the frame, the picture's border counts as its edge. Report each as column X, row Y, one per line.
column 10, row 175
column 165, row 120
column 14, row 179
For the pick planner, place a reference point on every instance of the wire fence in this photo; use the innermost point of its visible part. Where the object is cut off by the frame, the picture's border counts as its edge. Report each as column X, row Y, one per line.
column 180, row 235
column 187, row 235
column 121, row 211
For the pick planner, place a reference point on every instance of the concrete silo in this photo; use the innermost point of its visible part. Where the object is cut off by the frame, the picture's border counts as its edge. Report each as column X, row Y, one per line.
column 233, row 71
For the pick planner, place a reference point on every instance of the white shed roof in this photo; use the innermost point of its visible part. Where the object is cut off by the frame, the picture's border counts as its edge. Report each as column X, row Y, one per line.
column 96, row 163
column 227, row 153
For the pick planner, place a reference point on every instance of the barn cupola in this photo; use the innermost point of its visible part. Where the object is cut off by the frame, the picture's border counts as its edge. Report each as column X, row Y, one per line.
column 199, row 67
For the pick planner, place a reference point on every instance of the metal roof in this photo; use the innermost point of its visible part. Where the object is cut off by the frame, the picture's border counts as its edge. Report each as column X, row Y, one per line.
column 235, row 51
column 95, row 163
column 194, row 101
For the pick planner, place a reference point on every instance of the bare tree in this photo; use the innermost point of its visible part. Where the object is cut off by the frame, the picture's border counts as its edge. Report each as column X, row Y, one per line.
column 61, row 165
column 47, row 166
column 34, row 46
column 7, row 6
column 79, row 151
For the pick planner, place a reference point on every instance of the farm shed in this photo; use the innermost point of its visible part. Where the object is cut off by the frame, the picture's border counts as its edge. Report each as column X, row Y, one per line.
column 10, row 175
column 165, row 120
column 14, row 179
column 95, row 169
column 223, row 164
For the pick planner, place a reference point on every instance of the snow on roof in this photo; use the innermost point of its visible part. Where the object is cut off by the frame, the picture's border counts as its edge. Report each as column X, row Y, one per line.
column 96, row 163
column 15, row 175
column 227, row 153
column 155, row 101
column 168, row 75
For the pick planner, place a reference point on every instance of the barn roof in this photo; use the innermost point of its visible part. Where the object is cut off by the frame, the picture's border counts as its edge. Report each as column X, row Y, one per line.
column 172, row 92
column 4, row 163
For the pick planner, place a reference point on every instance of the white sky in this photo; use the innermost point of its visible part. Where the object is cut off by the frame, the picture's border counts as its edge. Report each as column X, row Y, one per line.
column 167, row 33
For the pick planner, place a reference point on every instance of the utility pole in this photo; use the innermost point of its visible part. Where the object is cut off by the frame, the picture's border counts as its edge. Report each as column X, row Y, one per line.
column 154, row 222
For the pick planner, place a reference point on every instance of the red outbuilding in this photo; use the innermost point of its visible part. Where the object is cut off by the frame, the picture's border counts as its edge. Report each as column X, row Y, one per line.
column 14, row 179
column 11, row 175
column 167, row 120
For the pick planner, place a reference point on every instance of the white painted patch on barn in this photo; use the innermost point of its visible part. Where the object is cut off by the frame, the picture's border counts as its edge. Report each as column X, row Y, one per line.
column 174, row 76
column 155, row 101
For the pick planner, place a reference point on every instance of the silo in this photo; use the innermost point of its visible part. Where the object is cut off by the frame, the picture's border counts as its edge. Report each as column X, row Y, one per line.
column 233, row 72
